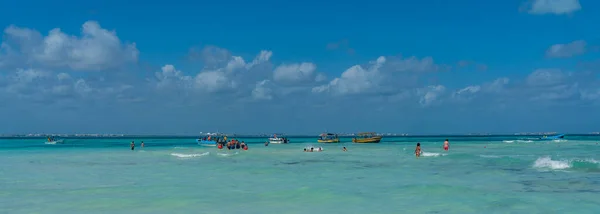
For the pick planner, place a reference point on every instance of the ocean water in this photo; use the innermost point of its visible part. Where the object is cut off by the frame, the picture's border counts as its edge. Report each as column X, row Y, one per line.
column 477, row 175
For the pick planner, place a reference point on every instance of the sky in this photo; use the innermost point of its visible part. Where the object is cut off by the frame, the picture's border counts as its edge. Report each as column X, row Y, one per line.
column 299, row 67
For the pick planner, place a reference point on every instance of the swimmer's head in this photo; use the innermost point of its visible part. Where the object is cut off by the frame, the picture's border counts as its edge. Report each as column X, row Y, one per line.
column 418, row 144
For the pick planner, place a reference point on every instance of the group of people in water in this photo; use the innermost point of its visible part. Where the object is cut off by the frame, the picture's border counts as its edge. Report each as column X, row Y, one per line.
column 418, row 150
column 233, row 144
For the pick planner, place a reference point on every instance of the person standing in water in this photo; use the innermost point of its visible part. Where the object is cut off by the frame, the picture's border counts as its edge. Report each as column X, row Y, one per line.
column 446, row 145
column 418, row 150
column 142, row 144
column 132, row 145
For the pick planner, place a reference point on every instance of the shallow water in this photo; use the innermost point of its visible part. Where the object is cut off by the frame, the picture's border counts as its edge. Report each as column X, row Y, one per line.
column 477, row 175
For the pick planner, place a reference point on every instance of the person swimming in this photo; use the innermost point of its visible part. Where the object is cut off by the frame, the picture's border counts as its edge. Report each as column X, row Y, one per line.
column 418, row 150
column 446, row 145
column 344, row 149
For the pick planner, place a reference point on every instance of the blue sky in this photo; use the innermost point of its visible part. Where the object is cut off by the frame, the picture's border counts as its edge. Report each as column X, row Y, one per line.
column 422, row 67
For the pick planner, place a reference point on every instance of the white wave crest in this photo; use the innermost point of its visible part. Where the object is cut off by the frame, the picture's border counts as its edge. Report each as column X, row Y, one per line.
column 227, row 154
column 489, row 156
column 547, row 163
column 180, row 155
column 432, row 154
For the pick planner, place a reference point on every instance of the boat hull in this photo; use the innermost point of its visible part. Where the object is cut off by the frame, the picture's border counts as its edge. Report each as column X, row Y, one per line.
column 367, row 140
column 206, row 142
column 276, row 140
column 329, row 141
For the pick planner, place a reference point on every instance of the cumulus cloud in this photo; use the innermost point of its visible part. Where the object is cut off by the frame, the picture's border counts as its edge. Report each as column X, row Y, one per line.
column 386, row 74
column 96, row 49
column 430, row 94
column 567, row 50
column 262, row 91
column 558, row 7
column 295, row 72
column 355, row 80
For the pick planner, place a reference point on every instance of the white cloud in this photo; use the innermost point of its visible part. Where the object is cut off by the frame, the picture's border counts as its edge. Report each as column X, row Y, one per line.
column 553, row 6
column 354, row 80
column 566, row 50
column 386, row 74
column 171, row 77
column 96, row 49
column 214, row 81
column 228, row 76
column 261, row 91
column 63, row 76
column 295, row 72
column 430, row 94
column 545, row 77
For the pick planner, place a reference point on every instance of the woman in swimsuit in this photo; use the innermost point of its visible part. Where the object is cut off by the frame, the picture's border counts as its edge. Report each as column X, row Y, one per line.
column 418, row 150
column 446, row 145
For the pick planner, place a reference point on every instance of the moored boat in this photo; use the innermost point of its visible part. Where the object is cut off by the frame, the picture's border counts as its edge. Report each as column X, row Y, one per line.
column 211, row 140
column 278, row 140
column 328, row 138
column 367, row 137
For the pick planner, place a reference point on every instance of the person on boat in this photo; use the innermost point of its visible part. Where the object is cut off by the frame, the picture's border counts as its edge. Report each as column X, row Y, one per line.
column 418, row 150
column 142, row 144
column 132, row 145
column 446, row 145
column 344, row 149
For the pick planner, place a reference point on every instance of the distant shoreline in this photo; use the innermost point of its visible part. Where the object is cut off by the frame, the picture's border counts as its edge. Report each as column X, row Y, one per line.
column 266, row 136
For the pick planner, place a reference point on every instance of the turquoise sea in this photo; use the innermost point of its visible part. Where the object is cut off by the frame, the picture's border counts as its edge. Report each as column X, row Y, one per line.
column 501, row 174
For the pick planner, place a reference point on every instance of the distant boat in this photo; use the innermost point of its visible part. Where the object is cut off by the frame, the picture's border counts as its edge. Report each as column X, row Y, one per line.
column 328, row 138
column 555, row 137
column 53, row 141
column 278, row 140
column 367, row 137
column 211, row 140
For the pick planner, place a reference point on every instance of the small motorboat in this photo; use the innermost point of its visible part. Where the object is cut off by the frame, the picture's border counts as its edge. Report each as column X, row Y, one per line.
column 52, row 142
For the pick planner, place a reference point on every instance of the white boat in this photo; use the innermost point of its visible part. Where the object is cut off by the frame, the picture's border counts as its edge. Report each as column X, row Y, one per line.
column 277, row 140
column 56, row 141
